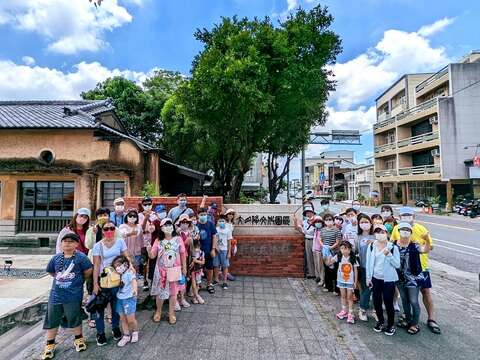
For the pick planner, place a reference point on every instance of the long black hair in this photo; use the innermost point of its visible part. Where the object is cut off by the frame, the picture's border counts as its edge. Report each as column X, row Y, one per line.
column 360, row 217
column 352, row 258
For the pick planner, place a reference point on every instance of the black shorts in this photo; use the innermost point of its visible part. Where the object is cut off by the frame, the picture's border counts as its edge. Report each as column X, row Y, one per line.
column 426, row 283
column 208, row 261
column 68, row 316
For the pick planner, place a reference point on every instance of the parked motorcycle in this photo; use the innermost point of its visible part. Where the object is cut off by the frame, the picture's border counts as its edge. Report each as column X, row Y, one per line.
column 472, row 209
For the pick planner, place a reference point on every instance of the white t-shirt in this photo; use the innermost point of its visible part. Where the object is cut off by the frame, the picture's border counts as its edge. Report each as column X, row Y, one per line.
column 118, row 247
column 379, row 262
column 345, row 273
column 308, row 229
column 223, row 236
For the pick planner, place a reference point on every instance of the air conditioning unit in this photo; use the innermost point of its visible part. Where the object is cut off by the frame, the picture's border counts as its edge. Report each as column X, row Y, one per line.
column 435, row 152
column 433, row 119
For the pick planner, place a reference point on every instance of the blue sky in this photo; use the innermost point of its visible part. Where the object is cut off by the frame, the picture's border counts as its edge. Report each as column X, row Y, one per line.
column 57, row 48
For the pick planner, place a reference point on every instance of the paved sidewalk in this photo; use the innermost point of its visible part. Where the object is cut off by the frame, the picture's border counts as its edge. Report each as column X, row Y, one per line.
column 257, row 318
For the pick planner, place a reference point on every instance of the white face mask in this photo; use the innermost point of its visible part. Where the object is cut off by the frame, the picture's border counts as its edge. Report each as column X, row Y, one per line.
column 407, row 218
column 121, row 269
column 386, row 214
column 147, row 207
column 167, row 229
column 365, row 226
column 119, row 208
column 184, row 227
column 356, row 207
column 405, row 234
column 381, row 237
column 81, row 220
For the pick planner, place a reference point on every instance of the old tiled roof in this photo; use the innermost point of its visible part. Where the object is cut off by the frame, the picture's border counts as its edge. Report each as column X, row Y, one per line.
column 70, row 114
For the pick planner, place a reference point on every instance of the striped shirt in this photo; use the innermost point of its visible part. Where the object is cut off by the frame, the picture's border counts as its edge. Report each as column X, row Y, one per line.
column 330, row 236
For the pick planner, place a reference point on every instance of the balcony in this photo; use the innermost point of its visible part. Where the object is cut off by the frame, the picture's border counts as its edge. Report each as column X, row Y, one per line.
column 419, row 170
column 420, row 139
column 383, row 116
column 385, row 148
column 432, row 82
column 386, row 173
column 424, row 109
column 384, row 125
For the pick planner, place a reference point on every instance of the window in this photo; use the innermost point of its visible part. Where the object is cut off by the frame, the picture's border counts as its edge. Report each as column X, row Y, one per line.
column 46, row 199
column 110, row 191
column 390, row 136
column 419, row 190
column 390, row 164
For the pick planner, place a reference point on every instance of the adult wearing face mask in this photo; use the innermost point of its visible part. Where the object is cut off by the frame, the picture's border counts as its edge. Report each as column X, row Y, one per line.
column 317, row 251
column 386, row 211
column 117, row 216
column 79, row 226
column 324, row 208
column 356, row 205
column 132, row 233
column 307, row 228
column 146, row 219
column 350, row 227
column 103, row 254
column 208, row 242
column 180, row 209
column 421, row 236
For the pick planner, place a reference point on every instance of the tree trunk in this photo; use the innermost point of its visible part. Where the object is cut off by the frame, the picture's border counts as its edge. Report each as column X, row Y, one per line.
column 275, row 180
column 234, row 194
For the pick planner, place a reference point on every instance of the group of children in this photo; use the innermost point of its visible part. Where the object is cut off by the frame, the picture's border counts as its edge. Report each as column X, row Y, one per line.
column 171, row 253
column 361, row 257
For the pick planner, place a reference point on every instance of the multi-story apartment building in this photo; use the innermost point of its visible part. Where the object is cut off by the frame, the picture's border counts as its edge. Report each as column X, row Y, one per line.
column 426, row 126
column 360, row 180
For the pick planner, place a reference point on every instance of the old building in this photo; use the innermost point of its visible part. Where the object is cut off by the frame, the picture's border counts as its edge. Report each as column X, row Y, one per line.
column 426, row 126
column 361, row 180
column 57, row 156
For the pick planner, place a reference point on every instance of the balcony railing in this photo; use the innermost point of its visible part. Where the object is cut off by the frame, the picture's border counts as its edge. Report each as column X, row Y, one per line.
column 419, row 170
column 384, row 123
column 431, row 79
column 419, row 108
column 383, row 116
column 418, row 139
column 41, row 225
column 386, row 147
column 386, row 173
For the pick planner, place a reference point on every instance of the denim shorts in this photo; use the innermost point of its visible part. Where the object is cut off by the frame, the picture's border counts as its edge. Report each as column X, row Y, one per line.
column 426, row 283
column 126, row 306
column 342, row 285
column 139, row 260
column 221, row 259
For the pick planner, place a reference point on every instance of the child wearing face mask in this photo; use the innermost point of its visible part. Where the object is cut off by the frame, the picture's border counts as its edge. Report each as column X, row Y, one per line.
column 132, row 233
column 365, row 238
column 126, row 300
column 338, row 220
column 196, row 270
column 330, row 237
column 222, row 259
column 386, row 211
column 383, row 259
column 184, row 226
column 376, row 220
column 350, row 229
column 317, row 252
column 390, row 224
column 171, row 264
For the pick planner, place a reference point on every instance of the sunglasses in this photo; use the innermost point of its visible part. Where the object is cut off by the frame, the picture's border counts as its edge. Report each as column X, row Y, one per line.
column 109, row 228
column 185, row 222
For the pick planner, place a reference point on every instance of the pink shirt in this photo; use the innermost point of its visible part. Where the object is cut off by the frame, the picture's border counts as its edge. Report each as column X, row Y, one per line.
column 170, row 252
column 134, row 242
column 316, row 246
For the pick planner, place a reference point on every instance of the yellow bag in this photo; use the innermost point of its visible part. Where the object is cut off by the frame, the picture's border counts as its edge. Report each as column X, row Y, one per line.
column 109, row 278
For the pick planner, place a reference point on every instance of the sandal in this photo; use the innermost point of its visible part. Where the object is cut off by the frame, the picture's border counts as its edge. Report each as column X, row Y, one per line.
column 157, row 317
column 413, row 330
column 194, row 300
column 172, row 320
column 91, row 324
column 402, row 323
column 211, row 289
column 433, row 326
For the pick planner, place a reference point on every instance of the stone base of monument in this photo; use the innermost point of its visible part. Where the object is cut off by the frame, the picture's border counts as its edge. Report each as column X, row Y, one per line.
column 267, row 242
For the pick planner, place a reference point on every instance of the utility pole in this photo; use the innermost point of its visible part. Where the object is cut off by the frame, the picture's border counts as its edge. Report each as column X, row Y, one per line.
column 288, row 185
column 303, row 174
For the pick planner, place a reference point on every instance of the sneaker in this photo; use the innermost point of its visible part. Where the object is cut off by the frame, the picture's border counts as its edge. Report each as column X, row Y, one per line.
column 350, row 318
column 378, row 328
column 48, row 351
column 362, row 315
column 200, row 300
column 145, row 286
column 134, row 337
column 224, row 286
column 373, row 314
column 317, row 280
column 230, row 277
column 117, row 334
column 342, row 315
column 124, row 341
column 80, row 344
column 215, row 283
column 177, row 306
column 321, row 283
column 101, row 340
column 390, row 331
column 184, row 303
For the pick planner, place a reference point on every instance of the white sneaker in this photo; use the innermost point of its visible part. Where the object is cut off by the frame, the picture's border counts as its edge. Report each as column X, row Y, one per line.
column 134, row 337
column 123, row 341
column 200, row 300
column 362, row 315
column 177, row 306
column 374, row 315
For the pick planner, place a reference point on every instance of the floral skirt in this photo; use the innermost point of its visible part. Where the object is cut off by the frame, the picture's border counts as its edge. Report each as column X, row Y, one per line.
column 161, row 287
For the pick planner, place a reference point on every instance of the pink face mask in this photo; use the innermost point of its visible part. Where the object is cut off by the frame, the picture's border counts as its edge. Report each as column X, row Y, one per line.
column 365, row 226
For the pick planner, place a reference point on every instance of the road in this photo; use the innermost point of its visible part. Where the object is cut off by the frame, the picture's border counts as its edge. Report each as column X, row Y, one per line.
column 456, row 239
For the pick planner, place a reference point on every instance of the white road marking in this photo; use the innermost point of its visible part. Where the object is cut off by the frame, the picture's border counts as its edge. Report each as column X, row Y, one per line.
column 452, row 243
column 451, row 226
column 459, row 251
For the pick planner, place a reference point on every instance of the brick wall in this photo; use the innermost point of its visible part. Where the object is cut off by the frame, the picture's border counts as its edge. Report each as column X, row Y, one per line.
column 281, row 255
column 171, row 201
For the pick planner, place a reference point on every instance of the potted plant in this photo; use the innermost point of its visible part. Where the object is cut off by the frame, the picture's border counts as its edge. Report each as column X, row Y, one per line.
column 435, row 202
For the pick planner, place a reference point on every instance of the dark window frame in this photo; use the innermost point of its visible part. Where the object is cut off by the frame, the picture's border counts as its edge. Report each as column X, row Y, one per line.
column 65, row 210
column 108, row 202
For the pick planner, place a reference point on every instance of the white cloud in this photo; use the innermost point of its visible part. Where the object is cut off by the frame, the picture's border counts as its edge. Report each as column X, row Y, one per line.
column 28, row 60
column 439, row 25
column 362, row 78
column 67, row 26
column 22, row 82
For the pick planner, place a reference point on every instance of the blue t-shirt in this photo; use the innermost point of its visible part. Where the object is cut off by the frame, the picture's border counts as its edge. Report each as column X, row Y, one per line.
column 175, row 213
column 207, row 231
column 67, row 286
column 117, row 219
column 126, row 289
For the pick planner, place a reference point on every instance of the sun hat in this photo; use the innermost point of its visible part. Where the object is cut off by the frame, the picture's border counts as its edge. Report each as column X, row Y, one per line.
column 164, row 221
column 183, row 217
